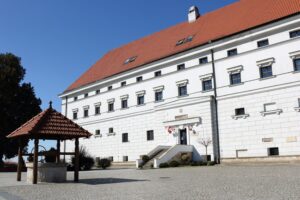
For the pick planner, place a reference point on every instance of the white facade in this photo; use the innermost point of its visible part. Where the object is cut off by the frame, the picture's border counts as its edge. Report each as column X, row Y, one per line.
column 271, row 105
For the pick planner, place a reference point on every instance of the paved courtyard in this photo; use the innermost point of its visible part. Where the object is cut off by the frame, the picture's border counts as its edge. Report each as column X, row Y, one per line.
column 218, row 182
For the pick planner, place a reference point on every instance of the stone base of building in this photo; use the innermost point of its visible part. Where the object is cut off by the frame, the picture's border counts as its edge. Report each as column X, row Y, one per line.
column 262, row 160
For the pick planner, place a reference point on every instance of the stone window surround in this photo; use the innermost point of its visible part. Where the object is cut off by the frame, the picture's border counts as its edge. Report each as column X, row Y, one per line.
column 124, row 97
column 295, row 54
column 265, row 62
column 235, row 70
column 159, row 88
column 140, row 93
column 206, row 77
column 182, row 83
column 267, row 112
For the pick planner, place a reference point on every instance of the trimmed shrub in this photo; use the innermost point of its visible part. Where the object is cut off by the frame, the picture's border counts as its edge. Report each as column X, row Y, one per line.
column 86, row 162
column 211, row 163
column 164, row 165
column 51, row 157
column 145, row 158
column 174, row 163
column 104, row 163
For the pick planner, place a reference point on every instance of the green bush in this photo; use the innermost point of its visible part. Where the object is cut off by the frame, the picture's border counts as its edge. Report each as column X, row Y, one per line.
column 164, row 165
column 145, row 158
column 104, row 163
column 86, row 162
column 174, row 163
column 211, row 163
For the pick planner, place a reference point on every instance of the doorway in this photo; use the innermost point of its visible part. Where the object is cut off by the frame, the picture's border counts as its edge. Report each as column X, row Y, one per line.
column 182, row 137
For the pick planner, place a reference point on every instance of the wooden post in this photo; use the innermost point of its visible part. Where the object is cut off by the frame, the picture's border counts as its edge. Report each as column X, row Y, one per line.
column 76, row 167
column 58, row 151
column 19, row 169
column 35, row 161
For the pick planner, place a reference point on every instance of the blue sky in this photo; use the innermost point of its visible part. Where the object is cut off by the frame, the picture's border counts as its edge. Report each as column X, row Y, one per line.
column 59, row 40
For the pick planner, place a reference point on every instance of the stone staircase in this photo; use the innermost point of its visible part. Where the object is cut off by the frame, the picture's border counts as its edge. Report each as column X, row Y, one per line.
column 150, row 163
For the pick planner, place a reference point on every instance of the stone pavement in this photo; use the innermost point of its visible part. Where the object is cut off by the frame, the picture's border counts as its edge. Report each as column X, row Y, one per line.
column 269, row 182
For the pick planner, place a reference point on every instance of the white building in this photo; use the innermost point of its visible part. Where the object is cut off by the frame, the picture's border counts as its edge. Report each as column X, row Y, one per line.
column 230, row 76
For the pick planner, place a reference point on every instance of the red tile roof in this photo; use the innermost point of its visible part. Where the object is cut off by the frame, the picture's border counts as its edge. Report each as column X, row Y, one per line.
column 50, row 124
column 231, row 19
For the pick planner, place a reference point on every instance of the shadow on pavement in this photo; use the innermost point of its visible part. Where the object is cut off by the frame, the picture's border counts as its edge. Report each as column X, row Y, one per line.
column 99, row 181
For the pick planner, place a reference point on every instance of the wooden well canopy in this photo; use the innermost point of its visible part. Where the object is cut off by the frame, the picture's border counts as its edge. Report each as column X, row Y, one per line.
column 49, row 125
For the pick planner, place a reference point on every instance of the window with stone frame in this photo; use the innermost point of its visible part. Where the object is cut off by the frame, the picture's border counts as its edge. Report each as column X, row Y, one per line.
column 150, row 135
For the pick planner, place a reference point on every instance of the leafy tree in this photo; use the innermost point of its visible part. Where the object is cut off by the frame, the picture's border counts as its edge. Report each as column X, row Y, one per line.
column 18, row 102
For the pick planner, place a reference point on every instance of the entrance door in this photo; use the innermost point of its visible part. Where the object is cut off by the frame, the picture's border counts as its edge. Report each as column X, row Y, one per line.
column 183, row 137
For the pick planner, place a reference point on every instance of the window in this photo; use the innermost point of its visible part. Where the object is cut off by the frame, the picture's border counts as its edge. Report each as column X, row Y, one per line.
column 125, row 137
column 266, row 71
column 180, row 67
column 294, row 34
column 158, row 73
column 75, row 115
column 124, row 103
column 97, row 91
column 123, row 83
column 111, row 158
column 110, row 106
column 273, row 151
column 235, row 78
column 125, row 158
column 97, row 132
column 129, row 60
column 139, row 79
column 109, row 88
column 203, row 60
column 239, row 111
column 111, row 130
column 263, row 43
column 297, row 64
column 185, row 40
column 85, row 112
column 97, row 109
column 206, row 85
column 86, row 95
column 182, row 90
column 232, row 52
column 158, row 95
column 298, row 102
column 150, row 135
column 140, row 100
column 75, row 98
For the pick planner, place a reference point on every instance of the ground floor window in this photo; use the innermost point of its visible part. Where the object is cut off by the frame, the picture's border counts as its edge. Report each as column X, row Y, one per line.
column 125, row 158
column 273, row 151
column 125, row 137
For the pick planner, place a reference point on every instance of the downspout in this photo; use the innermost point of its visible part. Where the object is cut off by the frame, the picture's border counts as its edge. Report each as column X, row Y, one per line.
column 66, row 112
column 215, row 102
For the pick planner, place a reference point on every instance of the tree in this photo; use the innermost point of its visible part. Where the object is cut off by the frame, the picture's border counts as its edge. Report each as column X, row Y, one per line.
column 205, row 142
column 18, row 102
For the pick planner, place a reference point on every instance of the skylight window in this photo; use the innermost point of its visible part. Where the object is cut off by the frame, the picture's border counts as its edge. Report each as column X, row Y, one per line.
column 131, row 59
column 185, row 40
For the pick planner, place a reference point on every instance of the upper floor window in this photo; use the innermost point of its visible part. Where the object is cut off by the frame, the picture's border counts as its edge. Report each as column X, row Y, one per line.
column 295, row 33
column 263, row 43
column 139, row 79
column 158, row 95
column 123, row 83
column 235, row 78
column 206, row 85
column 131, row 59
column 110, row 105
column 180, row 67
column 296, row 64
column 239, row 111
column 265, row 67
column 125, row 137
column 182, row 87
column 109, row 88
column 75, row 114
column 86, row 112
column 97, row 132
column 97, row 91
column 232, row 52
column 75, row 98
column 97, row 109
column 140, row 99
column 124, row 103
column 203, row 60
column 270, row 107
column 111, row 130
column 150, row 135
column 86, row 95
column 157, row 73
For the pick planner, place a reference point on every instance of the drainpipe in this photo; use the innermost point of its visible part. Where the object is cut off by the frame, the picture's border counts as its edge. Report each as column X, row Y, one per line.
column 66, row 112
column 215, row 102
